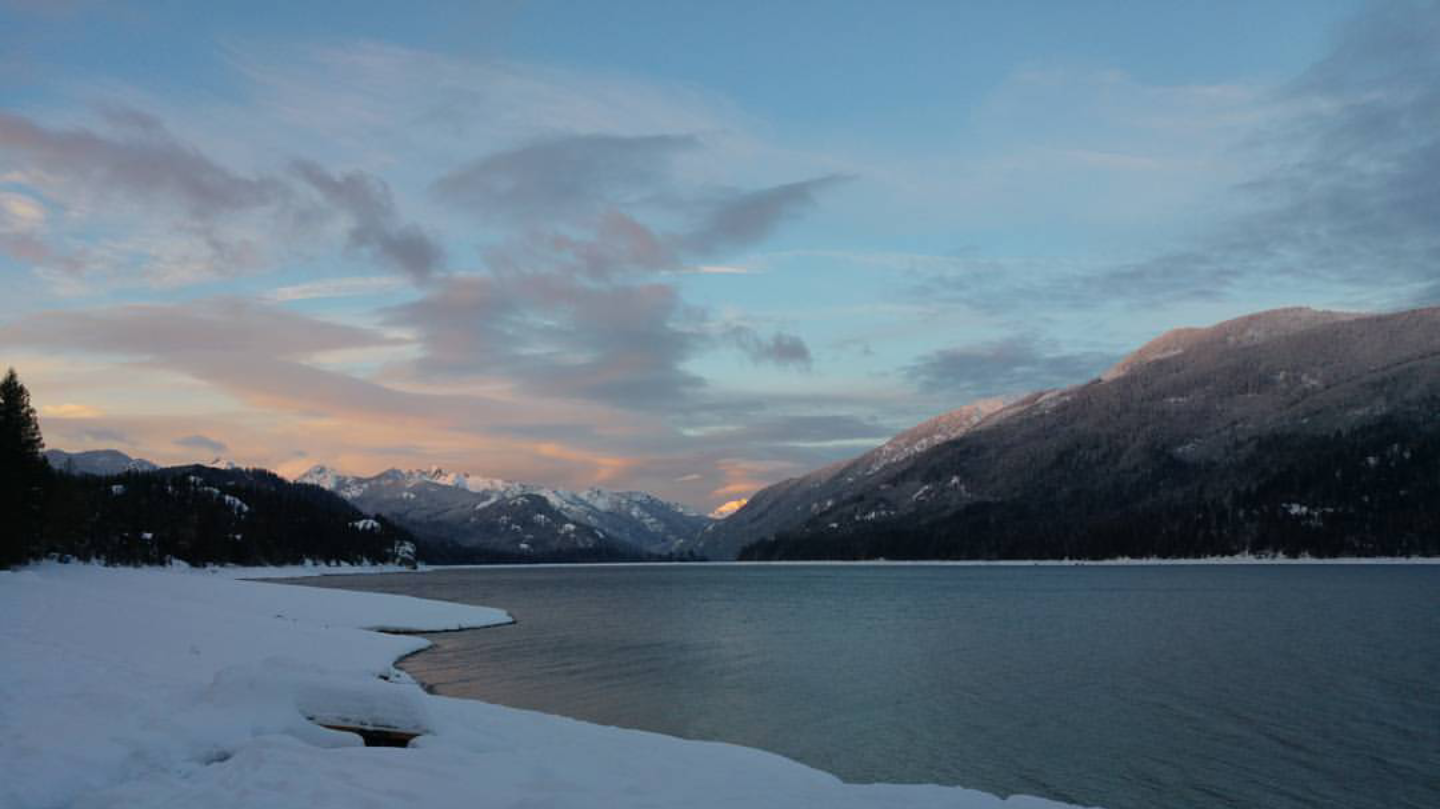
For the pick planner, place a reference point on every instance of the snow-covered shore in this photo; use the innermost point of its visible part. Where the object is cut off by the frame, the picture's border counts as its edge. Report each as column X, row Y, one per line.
column 148, row 688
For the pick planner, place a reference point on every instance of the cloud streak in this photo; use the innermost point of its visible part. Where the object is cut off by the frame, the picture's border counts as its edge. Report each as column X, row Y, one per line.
column 569, row 178
column 202, row 443
column 1003, row 367
column 143, row 162
column 182, row 208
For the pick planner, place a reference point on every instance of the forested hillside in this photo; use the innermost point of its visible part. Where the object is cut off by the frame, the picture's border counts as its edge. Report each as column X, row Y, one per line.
column 1372, row 491
column 1292, row 431
column 194, row 514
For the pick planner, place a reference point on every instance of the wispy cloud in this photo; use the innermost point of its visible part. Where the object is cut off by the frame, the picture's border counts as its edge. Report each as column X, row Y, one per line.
column 1003, row 367
column 1337, row 195
column 572, row 178
column 335, row 288
column 70, row 410
column 201, row 442
column 721, row 269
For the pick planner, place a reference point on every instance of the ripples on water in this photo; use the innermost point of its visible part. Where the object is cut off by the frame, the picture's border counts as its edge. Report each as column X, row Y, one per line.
column 1264, row 687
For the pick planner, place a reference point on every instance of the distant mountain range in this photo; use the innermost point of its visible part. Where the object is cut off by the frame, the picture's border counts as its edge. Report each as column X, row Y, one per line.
column 459, row 518
column 1292, row 431
column 96, row 462
column 503, row 517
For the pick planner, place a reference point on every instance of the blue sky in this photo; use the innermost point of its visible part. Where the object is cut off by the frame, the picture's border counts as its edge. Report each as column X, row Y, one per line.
column 687, row 247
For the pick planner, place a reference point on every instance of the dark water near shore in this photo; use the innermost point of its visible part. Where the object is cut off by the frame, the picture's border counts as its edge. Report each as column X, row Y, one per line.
column 1263, row 687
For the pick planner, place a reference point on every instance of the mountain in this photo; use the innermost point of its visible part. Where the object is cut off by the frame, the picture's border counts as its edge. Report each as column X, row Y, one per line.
column 201, row 514
column 523, row 520
column 96, row 462
column 793, row 501
column 1292, row 431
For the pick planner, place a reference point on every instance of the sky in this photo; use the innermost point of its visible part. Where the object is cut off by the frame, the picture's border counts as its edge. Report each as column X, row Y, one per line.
column 690, row 248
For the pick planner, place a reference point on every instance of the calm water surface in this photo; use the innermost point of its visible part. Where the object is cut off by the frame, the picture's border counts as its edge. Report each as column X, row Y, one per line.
column 1261, row 687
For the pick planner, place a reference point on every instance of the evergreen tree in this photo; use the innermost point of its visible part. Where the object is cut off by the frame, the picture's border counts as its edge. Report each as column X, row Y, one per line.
column 22, row 473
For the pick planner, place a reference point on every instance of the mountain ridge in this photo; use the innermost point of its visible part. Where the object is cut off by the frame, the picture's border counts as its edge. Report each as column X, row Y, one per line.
column 484, row 513
column 1180, row 412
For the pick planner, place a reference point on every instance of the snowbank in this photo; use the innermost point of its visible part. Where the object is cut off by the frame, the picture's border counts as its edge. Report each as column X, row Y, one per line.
column 145, row 688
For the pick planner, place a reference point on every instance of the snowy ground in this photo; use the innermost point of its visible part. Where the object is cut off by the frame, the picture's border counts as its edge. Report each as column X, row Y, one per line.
column 165, row 688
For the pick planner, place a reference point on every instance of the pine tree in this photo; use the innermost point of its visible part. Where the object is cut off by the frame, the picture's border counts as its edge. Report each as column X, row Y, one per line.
column 22, row 472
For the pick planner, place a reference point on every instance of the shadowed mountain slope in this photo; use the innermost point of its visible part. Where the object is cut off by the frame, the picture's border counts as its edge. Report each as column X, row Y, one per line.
column 1228, row 439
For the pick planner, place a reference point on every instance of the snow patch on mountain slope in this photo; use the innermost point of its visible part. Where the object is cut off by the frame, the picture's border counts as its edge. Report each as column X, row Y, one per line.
column 934, row 432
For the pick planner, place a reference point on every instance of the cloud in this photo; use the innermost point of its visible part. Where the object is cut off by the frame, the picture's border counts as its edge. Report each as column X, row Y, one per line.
column 142, row 201
column 1357, row 197
column 607, row 206
column 744, row 476
column 562, row 307
column 20, row 213
column 800, row 430
column 103, row 436
column 217, row 327
column 747, row 218
column 143, row 162
column 1002, row 367
column 780, row 349
column 567, row 178
column 1350, row 197
column 721, row 269
column 615, row 244
column 334, row 288
column 69, row 410
column 202, row 442
column 558, row 336
column 1332, row 190
column 516, row 412
column 374, row 225
column 273, row 359
column 560, row 353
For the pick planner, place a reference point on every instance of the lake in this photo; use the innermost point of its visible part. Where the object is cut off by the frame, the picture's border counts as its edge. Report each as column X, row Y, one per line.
column 1128, row 687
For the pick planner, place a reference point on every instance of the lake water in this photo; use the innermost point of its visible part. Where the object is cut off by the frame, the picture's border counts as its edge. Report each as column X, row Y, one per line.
column 1262, row 687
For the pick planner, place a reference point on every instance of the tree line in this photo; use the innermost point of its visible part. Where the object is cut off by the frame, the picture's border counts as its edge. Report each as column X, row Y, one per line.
column 193, row 514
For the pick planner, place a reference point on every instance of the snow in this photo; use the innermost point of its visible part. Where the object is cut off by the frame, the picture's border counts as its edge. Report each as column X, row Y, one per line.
column 643, row 511
column 936, row 431
column 150, row 688
column 367, row 524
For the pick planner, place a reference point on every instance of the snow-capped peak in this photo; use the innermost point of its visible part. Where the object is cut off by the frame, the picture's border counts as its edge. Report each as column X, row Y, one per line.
column 637, row 517
column 322, row 476
column 222, row 463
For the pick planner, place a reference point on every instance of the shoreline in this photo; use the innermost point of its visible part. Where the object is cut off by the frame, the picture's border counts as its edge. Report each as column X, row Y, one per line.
column 193, row 688
column 1256, row 561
